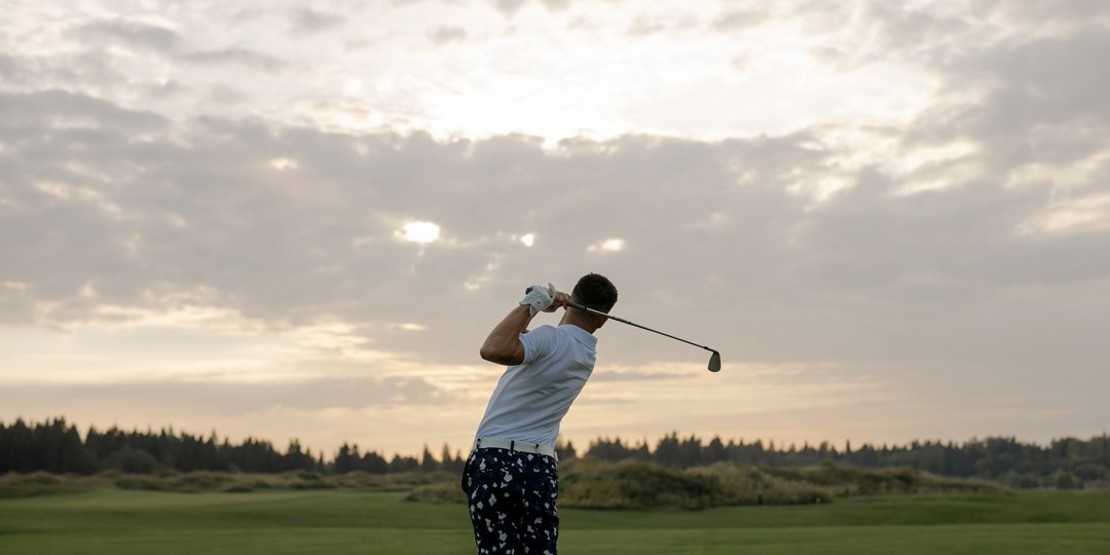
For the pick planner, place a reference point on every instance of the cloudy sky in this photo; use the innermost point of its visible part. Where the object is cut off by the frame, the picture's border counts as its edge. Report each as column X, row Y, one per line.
column 267, row 219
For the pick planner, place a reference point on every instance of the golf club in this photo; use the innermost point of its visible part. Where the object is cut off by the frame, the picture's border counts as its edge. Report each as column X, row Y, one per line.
column 714, row 359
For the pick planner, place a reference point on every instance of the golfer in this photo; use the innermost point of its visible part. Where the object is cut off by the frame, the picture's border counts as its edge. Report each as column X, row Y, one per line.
column 511, row 479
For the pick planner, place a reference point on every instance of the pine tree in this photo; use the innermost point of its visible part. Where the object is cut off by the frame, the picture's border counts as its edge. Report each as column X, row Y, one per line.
column 428, row 462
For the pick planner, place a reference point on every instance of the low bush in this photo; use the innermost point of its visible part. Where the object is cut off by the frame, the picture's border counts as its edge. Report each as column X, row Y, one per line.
column 438, row 493
column 859, row 481
column 747, row 485
column 14, row 485
column 42, row 479
column 202, row 481
column 637, row 485
column 189, row 482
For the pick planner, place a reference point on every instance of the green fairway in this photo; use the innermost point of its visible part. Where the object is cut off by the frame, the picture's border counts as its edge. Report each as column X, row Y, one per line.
column 105, row 520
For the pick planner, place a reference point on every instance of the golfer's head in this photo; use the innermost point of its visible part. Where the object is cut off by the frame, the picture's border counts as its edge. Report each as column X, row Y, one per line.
column 595, row 291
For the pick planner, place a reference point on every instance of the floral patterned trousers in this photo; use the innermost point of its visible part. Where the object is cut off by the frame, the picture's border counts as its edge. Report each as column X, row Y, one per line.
column 512, row 496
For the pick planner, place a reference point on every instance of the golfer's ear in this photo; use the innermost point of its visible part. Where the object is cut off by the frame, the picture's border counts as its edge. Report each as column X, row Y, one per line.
column 601, row 322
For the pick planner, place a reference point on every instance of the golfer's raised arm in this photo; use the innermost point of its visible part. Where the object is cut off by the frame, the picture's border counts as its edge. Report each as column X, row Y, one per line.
column 503, row 344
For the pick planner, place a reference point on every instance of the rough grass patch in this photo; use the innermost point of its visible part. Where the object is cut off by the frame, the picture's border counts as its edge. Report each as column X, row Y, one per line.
column 637, row 485
column 437, row 493
column 14, row 485
column 848, row 480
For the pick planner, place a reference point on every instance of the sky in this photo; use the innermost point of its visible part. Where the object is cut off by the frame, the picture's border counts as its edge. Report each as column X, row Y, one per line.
column 300, row 220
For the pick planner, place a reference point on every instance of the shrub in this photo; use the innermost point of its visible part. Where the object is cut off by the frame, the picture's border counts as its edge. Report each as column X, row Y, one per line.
column 13, row 485
column 437, row 493
column 637, row 485
column 746, row 485
column 201, row 481
column 41, row 479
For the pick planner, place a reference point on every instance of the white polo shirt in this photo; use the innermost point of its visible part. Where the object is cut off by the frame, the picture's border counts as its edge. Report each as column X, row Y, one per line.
column 532, row 398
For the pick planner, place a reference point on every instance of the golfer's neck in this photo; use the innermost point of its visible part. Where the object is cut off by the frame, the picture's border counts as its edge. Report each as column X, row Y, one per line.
column 570, row 319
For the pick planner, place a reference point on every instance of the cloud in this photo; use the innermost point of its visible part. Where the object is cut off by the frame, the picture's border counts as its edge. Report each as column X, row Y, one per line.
column 231, row 399
column 816, row 281
column 169, row 43
column 556, row 5
column 646, row 25
column 636, row 376
column 140, row 35
column 446, row 34
column 307, row 21
column 737, row 20
column 238, row 56
column 56, row 109
column 507, row 7
column 1080, row 12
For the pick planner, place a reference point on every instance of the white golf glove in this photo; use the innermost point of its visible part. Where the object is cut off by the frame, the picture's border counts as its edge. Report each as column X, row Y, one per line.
column 538, row 298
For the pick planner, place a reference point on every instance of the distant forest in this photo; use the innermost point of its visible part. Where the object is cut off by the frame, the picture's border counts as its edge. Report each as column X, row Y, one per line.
column 56, row 446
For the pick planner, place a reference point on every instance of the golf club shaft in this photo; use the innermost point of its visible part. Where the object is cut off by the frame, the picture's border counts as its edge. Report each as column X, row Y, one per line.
column 623, row 321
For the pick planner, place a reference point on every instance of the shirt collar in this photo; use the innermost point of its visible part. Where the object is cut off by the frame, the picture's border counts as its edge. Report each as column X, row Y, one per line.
column 580, row 334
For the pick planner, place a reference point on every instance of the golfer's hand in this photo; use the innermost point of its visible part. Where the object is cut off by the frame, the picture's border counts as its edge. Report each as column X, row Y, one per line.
column 559, row 301
column 539, row 298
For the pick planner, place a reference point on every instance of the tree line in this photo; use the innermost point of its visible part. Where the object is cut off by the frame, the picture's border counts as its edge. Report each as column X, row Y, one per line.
column 56, row 446
column 1064, row 463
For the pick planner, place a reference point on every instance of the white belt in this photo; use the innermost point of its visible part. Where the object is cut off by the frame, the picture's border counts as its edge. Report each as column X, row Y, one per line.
column 513, row 445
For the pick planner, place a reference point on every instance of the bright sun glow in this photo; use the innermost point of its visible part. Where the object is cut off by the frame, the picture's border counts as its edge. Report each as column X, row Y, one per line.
column 615, row 244
column 528, row 239
column 282, row 164
column 420, row 232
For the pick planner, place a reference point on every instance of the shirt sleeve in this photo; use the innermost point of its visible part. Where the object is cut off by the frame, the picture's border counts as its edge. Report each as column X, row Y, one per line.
column 538, row 343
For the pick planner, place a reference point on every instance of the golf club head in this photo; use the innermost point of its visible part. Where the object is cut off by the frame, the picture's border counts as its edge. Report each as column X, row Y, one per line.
column 715, row 362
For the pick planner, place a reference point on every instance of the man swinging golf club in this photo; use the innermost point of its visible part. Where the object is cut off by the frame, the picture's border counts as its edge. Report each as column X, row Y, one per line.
column 511, row 479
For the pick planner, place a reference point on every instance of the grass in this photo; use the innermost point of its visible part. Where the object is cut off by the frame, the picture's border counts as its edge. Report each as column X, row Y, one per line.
column 84, row 518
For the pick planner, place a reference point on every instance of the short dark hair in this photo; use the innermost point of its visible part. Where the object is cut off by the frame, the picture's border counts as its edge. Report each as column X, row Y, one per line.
column 596, row 292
